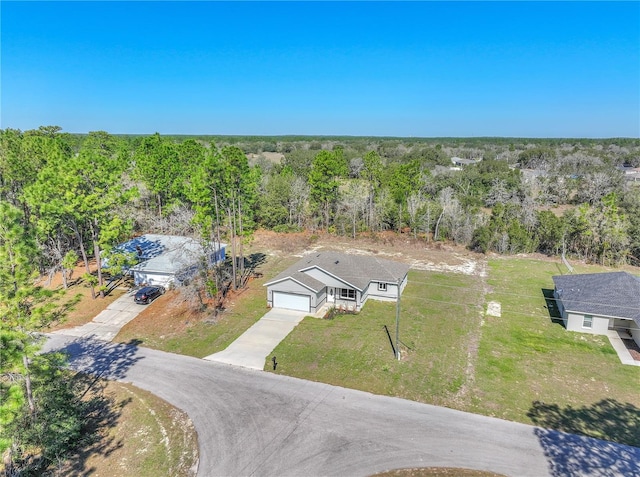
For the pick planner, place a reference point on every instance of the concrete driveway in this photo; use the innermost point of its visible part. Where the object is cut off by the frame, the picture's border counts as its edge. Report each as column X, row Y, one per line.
column 106, row 325
column 252, row 347
column 261, row 424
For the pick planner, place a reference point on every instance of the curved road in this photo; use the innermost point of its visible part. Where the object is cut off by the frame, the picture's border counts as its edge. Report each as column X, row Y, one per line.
column 252, row 423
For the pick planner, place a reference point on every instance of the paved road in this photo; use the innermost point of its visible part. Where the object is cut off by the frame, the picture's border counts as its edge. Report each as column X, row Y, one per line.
column 252, row 423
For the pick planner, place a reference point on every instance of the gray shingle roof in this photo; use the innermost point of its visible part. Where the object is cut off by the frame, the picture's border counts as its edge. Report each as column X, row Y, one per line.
column 607, row 294
column 357, row 270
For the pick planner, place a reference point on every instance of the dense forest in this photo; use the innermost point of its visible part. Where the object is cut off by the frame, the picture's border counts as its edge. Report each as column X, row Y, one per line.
column 83, row 194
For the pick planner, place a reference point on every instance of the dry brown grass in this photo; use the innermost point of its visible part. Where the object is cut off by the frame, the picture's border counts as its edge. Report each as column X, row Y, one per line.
column 87, row 307
column 151, row 438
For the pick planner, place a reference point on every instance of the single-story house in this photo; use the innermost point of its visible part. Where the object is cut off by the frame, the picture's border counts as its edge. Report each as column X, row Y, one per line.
column 460, row 162
column 631, row 174
column 336, row 279
column 598, row 302
column 165, row 259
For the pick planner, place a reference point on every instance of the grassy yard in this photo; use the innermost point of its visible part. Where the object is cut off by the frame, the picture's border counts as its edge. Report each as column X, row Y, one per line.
column 530, row 369
column 172, row 325
column 355, row 351
column 522, row 366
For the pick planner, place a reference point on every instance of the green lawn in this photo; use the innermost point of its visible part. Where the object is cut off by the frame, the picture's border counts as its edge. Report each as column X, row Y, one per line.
column 526, row 359
column 522, row 366
column 354, row 350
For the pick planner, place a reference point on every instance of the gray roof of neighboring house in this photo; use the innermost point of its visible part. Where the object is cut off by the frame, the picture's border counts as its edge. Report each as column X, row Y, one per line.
column 615, row 294
column 356, row 270
column 164, row 253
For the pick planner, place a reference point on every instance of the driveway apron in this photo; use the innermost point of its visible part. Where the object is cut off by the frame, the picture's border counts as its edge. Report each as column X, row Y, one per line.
column 252, row 347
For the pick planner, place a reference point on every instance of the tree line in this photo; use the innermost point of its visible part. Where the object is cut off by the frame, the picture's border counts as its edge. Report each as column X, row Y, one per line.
column 83, row 194
column 67, row 199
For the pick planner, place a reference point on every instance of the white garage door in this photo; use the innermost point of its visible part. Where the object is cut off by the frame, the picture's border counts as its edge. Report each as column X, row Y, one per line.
column 291, row 301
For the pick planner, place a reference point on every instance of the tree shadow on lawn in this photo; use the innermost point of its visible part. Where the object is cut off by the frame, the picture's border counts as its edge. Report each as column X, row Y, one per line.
column 552, row 306
column 586, row 454
column 95, row 362
column 104, row 413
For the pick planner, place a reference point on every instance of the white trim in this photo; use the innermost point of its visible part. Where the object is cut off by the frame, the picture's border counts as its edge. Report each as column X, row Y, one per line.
column 293, row 280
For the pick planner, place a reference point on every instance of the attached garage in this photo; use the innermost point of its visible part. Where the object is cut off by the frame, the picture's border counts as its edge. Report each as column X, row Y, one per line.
column 291, row 301
column 341, row 280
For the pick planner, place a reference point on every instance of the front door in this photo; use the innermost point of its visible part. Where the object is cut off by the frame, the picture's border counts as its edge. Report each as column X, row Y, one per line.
column 331, row 295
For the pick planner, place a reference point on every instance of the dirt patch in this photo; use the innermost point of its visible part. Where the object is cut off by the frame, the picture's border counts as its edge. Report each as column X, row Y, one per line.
column 437, row 472
column 274, row 157
column 419, row 254
column 151, row 438
column 165, row 317
column 86, row 307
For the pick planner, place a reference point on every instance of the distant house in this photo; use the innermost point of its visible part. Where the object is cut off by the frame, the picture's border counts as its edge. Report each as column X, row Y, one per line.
column 597, row 302
column 336, row 279
column 166, row 259
column 459, row 162
column 631, row 174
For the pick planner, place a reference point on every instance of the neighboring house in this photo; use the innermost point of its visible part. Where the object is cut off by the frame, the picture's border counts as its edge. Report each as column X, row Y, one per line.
column 459, row 162
column 165, row 259
column 336, row 279
column 631, row 174
column 597, row 302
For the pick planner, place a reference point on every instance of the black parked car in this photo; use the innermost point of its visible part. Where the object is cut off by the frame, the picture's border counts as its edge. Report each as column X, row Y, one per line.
column 147, row 294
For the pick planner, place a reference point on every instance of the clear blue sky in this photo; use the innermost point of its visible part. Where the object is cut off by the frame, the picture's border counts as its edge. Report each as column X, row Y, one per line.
column 539, row 69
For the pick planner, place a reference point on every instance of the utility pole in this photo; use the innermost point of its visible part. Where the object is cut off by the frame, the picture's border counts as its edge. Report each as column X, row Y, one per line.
column 398, row 322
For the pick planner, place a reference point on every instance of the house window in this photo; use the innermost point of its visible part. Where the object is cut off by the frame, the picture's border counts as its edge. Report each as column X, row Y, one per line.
column 347, row 294
column 587, row 321
column 382, row 287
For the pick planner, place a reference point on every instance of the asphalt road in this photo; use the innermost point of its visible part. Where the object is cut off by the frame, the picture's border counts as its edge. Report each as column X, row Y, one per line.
column 252, row 423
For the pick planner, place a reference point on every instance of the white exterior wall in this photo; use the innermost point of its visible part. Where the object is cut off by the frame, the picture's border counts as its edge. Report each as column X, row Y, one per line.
column 600, row 324
column 152, row 278
column 635, row 332
column 390, row 295
column 372, row 292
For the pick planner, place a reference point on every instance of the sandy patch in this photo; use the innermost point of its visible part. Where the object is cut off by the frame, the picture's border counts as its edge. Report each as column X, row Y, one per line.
column 432, row 257
column 494, row 309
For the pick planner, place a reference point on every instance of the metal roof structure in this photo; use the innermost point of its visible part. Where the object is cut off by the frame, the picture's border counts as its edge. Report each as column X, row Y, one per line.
column 165, row 253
